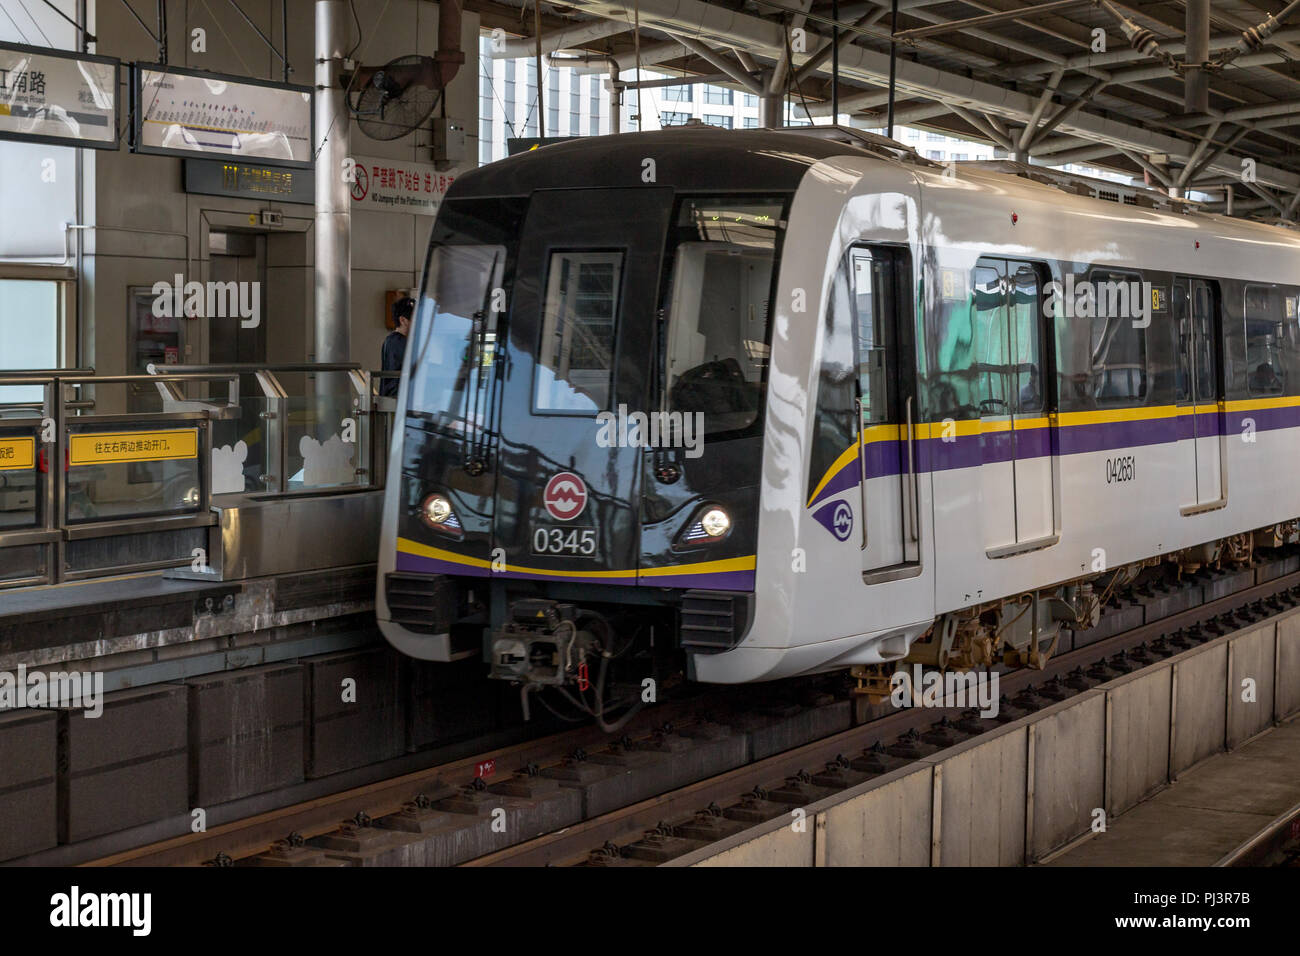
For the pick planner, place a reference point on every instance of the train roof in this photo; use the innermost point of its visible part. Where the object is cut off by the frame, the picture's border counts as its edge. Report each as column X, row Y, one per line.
column 692, row 157
column 704, row 158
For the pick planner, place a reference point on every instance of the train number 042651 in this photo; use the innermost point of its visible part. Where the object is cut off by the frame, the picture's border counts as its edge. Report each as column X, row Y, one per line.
column 1119, row 469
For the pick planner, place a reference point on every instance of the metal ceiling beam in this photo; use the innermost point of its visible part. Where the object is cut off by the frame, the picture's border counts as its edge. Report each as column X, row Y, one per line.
column 982, row 125
column 1043, row 100
column 670, row 81
column 574, row 36
column 1159, row 174
column 776, row 83
column 827, row 47
column 650, row 55
column 1061, row 115
column 722, row 62
column 938, row 29
column 763, row 37
column 1267, row 196
column 1218, row 151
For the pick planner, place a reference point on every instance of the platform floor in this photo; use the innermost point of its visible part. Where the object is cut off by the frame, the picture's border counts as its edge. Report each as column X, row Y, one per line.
column 1208, row 812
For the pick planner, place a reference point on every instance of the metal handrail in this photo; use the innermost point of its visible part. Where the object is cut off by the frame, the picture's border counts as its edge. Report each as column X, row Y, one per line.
column 46, row 373
column 249, row 367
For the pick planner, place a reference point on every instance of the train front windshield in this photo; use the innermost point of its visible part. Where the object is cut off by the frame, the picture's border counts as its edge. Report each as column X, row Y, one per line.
column 456, row 334
column 723, row 268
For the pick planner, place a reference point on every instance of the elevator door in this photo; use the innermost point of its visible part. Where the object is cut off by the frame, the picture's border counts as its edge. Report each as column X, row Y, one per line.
column 238, row 257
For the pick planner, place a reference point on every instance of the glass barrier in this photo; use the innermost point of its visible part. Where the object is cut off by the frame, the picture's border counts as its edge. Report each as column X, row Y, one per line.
column 243, row 449
column 118, row 471
column 20, row 485
column 325, row 443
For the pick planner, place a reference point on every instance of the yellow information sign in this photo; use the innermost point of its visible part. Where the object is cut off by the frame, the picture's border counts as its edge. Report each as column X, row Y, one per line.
column 17, row 453
column 107, row 448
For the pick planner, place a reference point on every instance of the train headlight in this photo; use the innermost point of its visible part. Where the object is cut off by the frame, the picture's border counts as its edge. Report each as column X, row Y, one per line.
column 711, row 524
column 437, row 513
column 715, row 522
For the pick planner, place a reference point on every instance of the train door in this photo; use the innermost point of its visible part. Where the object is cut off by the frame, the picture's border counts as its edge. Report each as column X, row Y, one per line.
column 1200, row 387
column 1031, row 435
column 880, row 306
column 580, row 327
column 1017, row 465
column 991, row 360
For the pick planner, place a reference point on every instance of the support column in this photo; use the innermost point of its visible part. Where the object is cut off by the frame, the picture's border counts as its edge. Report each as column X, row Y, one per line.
column 771, row 106
column 333, row 220
column 1196, row 82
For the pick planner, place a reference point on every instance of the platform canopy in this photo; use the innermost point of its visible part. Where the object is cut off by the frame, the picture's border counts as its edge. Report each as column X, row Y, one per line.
column 1183, row 93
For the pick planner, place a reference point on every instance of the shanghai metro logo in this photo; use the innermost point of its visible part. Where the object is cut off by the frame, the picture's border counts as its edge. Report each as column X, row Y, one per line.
column 837, row 518
column 565, row 496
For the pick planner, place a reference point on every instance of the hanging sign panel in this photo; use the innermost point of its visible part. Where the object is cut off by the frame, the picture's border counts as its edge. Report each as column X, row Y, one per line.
column 64, row 99
column 189, row 113
column 393, row 185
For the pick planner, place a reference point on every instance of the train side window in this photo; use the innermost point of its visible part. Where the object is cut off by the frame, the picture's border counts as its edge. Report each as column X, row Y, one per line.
column 575, row 356
column 834, row 430
column 874, row 307
column 1180, row 307
column 1117, row 347
column 1264, row 317
column 990, row 368
column 1025, row 369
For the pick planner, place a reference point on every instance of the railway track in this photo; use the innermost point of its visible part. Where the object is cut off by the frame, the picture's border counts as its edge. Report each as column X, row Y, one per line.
column 667, row 818
column 687, row 819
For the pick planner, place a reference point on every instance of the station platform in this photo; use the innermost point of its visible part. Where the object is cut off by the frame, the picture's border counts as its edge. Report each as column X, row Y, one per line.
column 1209, row 811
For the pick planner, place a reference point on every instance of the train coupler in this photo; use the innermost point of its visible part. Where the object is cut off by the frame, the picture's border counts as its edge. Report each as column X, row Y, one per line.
column 542, row 643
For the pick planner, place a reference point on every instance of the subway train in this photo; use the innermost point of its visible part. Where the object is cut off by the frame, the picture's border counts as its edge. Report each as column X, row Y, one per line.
column 744, row 405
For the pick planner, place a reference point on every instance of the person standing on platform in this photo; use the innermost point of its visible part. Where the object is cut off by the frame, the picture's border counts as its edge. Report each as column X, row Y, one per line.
column 394, row 349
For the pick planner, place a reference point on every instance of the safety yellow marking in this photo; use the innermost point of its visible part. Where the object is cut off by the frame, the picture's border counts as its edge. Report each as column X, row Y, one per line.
column 747, row 563
column 1255, row 404
column 17, row 453
column 106, row 448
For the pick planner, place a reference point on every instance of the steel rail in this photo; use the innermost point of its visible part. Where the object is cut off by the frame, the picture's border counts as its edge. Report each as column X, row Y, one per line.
column 574, row 843
column 316, row 817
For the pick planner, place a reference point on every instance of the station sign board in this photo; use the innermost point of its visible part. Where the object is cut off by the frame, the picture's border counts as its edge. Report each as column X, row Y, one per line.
column 218, row 177
column 64, row 99
column 109, row 448
column 180, row 112
column 394, row 185
column 17, row 454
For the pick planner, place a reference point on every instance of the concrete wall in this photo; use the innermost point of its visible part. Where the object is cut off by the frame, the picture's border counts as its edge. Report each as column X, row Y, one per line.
column 144, row 192
column 1023, row 791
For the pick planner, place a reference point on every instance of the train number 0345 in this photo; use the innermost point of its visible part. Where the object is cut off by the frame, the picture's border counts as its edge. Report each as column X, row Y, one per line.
column 575, row 541
column 1119, row 469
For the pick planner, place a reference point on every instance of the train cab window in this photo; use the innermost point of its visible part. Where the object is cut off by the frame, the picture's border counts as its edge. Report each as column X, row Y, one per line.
column 1265, row 337
column 575, row 356
column 1117, row 345
column 717, row 347
column 455, row 333
column 859, row 353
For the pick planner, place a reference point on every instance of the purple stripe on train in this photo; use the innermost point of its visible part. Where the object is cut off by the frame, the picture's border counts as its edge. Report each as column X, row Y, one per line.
column 969, row 451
